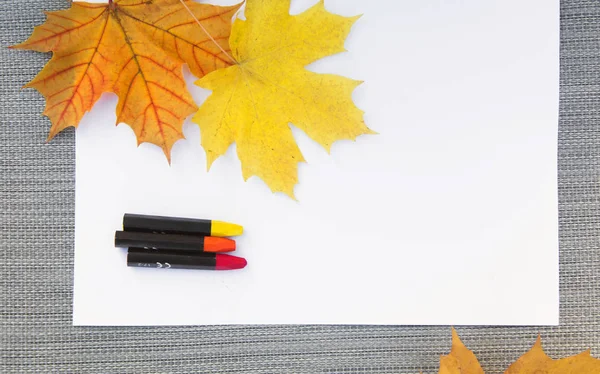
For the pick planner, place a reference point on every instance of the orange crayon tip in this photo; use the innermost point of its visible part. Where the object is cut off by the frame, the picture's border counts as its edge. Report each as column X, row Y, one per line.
column 218, row 245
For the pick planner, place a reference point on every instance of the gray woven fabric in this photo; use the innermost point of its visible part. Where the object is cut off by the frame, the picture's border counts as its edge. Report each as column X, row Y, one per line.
column 36, row 251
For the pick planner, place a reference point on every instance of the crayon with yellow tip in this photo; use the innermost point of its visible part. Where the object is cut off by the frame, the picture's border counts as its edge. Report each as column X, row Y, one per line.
column 177, row 225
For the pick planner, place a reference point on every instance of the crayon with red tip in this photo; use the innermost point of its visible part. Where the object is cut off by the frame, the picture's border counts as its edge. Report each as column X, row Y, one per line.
column 172, row 241
column 140, row 257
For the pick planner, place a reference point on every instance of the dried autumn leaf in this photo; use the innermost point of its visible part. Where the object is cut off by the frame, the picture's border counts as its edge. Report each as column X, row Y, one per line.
column 134, row 48
column 460, row 360
column 537, row 362
column 254, row 101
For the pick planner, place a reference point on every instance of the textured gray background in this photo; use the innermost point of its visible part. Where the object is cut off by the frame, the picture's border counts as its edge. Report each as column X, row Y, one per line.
column 36, row 250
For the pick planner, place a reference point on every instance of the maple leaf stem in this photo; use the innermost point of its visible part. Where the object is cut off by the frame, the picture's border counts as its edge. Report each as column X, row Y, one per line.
column 205, row 31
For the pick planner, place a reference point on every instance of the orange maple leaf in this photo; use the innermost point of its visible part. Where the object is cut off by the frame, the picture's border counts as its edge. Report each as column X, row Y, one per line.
column 536, row 361
column 136, row 49
column 462, row 361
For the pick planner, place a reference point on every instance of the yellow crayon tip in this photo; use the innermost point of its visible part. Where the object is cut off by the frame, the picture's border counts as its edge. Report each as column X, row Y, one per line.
column 220, row 228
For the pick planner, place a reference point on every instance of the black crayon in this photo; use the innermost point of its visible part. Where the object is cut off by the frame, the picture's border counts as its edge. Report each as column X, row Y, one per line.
column 168, row 259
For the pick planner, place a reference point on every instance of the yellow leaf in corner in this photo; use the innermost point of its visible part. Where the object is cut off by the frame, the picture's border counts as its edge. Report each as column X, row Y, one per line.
column 460, row 360
column 537, row 362
column 254, row 102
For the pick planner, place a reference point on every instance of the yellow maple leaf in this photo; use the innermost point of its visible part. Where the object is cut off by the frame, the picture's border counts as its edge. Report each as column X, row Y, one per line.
column 254, row 101
column 460, row 360
column 537, row 362
column 136, row 49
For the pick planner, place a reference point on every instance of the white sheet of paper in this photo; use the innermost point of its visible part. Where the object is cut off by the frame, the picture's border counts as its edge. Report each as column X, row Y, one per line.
column 449, row 216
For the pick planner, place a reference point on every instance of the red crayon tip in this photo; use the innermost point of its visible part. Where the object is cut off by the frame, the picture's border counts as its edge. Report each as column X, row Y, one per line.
column 227, row 262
